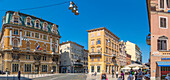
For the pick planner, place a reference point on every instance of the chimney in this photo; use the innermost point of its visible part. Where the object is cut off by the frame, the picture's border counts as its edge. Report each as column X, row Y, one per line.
column 3, row 19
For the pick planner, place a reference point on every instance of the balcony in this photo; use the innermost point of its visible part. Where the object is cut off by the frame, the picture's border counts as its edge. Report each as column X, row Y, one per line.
column 165, row 53
column 148, row 39
column 95, row 53
column 15, row 48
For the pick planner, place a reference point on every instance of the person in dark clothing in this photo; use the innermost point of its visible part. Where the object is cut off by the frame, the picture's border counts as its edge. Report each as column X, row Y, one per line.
column 112, row 73
column 19, row 75
column 136, row 75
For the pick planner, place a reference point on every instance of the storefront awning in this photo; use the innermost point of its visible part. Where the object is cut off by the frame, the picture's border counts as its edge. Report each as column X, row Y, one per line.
column 164, row 64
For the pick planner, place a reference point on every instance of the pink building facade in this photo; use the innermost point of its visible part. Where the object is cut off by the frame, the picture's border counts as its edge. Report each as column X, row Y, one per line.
column 159, row 37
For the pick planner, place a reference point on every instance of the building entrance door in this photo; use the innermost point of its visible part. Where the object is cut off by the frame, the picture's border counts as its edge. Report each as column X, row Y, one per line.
column 36, row 69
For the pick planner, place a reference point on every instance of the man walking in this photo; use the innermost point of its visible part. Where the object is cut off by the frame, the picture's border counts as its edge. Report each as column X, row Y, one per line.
column 19, row 75
column 140, row 75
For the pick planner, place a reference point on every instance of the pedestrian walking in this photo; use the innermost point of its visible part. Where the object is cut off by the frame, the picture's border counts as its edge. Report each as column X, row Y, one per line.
column 19, row 75
column 119, row 78
column 167, row 77
column 140, row 74
column 116, row 74
column 147, row 75
column 122, row 75
column 112, row 73
column 136, row 73
column 130, row 77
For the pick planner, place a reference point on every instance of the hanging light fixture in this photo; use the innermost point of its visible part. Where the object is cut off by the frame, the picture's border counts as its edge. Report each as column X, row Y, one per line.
column 74, row 10
column 71, row 5
column 77, row 13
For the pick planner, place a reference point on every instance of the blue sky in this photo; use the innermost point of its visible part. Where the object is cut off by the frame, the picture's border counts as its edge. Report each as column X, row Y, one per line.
column 125, row 18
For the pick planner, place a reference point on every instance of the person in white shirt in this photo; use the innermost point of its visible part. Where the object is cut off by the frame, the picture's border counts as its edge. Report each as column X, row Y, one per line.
column 116, row 74
column 130, row 77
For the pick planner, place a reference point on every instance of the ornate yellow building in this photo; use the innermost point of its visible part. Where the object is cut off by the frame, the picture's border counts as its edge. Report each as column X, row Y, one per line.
column 103, row 48
column 29, row 44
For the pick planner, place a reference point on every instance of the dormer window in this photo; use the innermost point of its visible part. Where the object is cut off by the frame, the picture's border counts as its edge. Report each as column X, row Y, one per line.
column 54, row 29
column 37, row 23
column 45, row 26
column 15, row 18
column 28, row 21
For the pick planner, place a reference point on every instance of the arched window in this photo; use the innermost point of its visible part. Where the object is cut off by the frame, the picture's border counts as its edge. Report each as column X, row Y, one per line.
column 28, row 21
column 15, row 43
column 37, row 23
column 28, row 45
column 45, row 26
column 162, row 43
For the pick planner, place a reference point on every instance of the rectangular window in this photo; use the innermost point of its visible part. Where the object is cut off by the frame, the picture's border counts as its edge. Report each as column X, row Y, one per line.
column 45, row 37
column 54, row 68
column 15, row 67
column 92, row 50
column 54, row 40
column 92, row 68
column 162, row 44
column 98, row 49
column 44, row 68
column 92, row 35
column 98, row 34
column 15, row 31
column 106, row 41
column 28, row 23
column 36, row 35
column 98, row 59
column 161, row 4
column 109, row 51
column 92, row 59
column 168, row 3
column 106, row 50
column 27, row 67
column 44, row 58
column 27, row 56
column 37, row 25
column 92, row 42
column 28, row 33
column 98, row 68
column 163, row 22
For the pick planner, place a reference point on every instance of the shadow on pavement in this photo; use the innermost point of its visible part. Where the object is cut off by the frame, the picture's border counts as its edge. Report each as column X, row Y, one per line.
column 14, row 78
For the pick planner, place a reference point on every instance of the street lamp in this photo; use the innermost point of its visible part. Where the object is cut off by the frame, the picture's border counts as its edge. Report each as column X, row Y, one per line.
column 74, row 8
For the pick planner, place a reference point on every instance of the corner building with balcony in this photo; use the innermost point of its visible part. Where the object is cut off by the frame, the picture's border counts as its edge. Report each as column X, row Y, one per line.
column 28, row 44
column 158, row 38
column 103, row 48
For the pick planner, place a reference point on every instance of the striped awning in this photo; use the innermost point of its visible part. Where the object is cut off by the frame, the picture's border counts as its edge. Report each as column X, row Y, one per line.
column 163, row 63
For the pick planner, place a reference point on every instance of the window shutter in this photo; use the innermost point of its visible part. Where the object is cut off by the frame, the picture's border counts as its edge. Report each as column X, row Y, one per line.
column 161, row 3
column 159, row 45
column 164, row 22
column 168, row 3
column 165, row 45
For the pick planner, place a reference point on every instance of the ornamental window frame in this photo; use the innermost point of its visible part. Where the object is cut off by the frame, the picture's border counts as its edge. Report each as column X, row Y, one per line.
column 15, row 18
column 35, row 25
column 15, row 32
column 45, row 26
column 28, row 20
column 54, row 29
column 15, row 44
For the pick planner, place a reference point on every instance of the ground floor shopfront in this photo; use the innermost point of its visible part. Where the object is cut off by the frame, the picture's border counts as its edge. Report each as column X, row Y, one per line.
column 73, row 69
column 160, row 67
column 28, row 63
column 100, row 67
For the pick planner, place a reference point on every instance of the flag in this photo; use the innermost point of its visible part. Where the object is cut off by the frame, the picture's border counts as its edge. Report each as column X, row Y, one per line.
column 38, row 46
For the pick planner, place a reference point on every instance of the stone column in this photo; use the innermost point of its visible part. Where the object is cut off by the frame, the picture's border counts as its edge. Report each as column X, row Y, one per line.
column 10, row 33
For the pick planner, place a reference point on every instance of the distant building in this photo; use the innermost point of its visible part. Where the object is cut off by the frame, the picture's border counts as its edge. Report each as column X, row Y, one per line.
column 122, row 53
column 28, row 44
column 128, row 59
column 103, row 48
column 72, row 57
column 85, row 60
column 135, row 52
